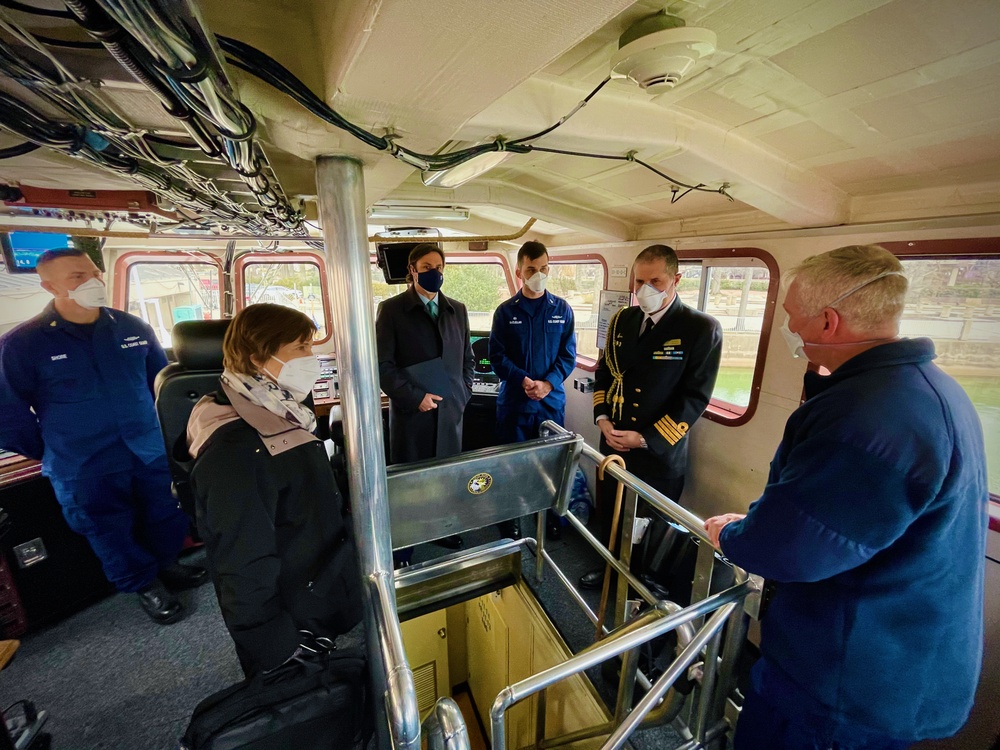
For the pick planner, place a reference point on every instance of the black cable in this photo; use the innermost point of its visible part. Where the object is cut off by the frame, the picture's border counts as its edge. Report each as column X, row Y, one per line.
column 67, row 43
column 18, row 150
column 565, row 117
column 15, row 5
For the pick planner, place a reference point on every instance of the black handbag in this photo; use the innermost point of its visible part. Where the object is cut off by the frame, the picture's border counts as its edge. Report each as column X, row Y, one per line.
column 318, row 703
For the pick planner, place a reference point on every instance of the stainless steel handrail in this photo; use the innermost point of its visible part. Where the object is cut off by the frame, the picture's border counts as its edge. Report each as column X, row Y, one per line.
column 445, row 728
column 684, row 517
column 608, row 648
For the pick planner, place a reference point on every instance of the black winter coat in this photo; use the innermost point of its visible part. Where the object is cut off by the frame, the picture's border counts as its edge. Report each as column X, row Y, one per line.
column 271, row 524
column 407, row 335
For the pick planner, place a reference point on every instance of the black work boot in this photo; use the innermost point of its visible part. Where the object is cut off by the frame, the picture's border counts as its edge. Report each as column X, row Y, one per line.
column 179, row 576
column 161, row 606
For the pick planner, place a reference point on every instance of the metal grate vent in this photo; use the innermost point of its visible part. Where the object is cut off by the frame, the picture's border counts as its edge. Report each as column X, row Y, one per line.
column 425, row 681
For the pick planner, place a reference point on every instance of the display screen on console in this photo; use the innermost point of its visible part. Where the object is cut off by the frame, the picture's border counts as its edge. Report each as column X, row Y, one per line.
column 484, row 380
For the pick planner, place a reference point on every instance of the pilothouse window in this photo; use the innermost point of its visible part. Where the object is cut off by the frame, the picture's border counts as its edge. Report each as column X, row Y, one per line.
column 295, row 285
column 956, row 303
column 734, row 292
column 580, row 284
column 163, row 294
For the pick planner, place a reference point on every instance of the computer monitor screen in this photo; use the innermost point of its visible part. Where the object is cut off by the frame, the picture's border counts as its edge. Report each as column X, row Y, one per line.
column 21, row 249
column 484, row 380
column 392, row 258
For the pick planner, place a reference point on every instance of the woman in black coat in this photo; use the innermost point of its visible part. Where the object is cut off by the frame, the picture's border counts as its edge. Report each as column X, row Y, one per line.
column 273, row 521
column 425, row 362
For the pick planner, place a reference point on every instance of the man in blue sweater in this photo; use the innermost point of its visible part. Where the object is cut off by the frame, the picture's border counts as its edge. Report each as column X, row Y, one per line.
column 872, row 526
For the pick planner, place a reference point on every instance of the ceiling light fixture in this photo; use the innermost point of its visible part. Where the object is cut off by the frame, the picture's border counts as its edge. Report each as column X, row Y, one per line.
column 467, row 170
column 419, row 213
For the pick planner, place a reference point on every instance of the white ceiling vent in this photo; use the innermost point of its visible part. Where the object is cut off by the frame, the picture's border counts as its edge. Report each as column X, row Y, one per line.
column 657, row 52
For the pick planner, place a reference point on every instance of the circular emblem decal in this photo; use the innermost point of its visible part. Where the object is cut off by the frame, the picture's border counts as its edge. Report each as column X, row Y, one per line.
column 480, row 483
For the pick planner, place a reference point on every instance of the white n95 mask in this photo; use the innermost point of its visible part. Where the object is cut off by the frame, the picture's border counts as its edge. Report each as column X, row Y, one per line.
column 298, row 376
column 537, row 282
column 650, row 299
column 90, row 294
column 795, row 343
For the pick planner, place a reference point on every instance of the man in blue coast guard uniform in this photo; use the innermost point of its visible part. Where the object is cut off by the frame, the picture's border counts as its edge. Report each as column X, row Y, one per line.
column 76, row 392
column 533, row 351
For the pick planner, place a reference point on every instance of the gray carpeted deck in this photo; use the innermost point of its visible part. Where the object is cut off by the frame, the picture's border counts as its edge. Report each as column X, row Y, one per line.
column 112, row 679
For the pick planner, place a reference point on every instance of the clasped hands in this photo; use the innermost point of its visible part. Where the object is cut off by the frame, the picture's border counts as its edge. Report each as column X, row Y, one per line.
column 536, row 390
column 621, row 440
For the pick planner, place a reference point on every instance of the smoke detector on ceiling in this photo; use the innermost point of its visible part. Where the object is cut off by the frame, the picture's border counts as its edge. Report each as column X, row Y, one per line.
column 657, row 52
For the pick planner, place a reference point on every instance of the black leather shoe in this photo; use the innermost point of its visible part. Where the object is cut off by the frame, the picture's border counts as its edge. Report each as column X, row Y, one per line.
column 160, row 604
column 509, row 529
column 179, row 576
column 592, row 580
column 450, row 542
column 553, row 531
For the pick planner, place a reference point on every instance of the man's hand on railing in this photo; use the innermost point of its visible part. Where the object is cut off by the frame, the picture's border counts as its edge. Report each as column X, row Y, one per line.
column 714, row 525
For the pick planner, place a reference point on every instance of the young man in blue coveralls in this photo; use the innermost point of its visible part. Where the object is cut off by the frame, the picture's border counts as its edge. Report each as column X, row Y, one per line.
column 533, row 351
column 872, row 527
column 76, row 392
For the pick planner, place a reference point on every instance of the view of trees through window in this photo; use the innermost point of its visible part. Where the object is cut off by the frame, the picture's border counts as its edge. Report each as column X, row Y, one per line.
column 166, row 293
column 580, row 284
column 294, row 285
column 956, row 303
column 737, row 297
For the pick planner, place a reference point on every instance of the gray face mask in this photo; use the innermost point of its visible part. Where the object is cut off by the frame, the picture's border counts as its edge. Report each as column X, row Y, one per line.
column 794, row 341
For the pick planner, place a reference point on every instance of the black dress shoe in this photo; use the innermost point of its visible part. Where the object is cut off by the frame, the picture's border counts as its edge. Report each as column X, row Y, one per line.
column 179, row 576
column 509, row 529
column 160, row 604
column 450, row 542
column 553, row 530
column 592, row 580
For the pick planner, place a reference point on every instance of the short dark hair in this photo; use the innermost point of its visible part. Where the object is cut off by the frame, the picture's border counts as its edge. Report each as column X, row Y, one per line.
column 59, row 252
column 531, row 250
column 258, row 331
column 659, row 252
column 418, row 252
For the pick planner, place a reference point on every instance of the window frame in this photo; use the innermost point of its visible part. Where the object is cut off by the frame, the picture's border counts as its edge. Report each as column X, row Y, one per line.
column 254, row 258
column 717, row 410
column 975, row 248
column 125, row 261
column 583, row 362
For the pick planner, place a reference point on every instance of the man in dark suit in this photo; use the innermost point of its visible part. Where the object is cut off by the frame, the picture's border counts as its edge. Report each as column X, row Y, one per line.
column 652, row 383
column 425, row 364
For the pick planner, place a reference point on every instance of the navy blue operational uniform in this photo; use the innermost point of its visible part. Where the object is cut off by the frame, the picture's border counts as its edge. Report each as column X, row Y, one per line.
column 531, row 339
column 80, row 398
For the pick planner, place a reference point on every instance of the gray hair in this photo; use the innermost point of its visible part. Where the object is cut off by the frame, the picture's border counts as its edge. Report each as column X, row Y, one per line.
column 864, row 283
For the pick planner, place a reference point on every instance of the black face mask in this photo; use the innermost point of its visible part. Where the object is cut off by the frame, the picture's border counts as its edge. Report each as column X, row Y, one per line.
column 431, row 280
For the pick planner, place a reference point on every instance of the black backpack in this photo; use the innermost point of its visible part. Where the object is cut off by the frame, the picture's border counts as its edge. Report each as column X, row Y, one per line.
column 319, row 703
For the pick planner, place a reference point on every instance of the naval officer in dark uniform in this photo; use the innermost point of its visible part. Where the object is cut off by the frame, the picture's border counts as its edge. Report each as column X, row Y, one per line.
column 653, row 381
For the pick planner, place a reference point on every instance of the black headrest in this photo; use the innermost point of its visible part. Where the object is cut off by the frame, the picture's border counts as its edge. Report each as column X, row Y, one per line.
column 198, row 343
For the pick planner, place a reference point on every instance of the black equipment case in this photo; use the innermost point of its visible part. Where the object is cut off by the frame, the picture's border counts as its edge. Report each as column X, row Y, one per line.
column 319, row 703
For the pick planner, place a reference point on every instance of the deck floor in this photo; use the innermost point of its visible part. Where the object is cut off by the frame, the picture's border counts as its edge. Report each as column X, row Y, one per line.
column 110, row 678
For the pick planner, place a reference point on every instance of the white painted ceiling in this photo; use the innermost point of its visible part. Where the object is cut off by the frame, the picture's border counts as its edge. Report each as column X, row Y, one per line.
column 817, row 112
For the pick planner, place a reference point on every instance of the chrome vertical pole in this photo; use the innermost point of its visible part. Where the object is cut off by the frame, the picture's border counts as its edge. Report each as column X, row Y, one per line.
column 341, row 190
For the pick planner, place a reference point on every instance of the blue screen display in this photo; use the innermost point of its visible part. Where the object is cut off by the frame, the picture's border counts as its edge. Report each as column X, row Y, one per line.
column 21, row 249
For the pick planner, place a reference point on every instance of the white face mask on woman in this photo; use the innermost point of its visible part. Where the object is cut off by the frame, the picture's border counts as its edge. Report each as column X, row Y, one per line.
column 298, row 376
column 90, row 294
